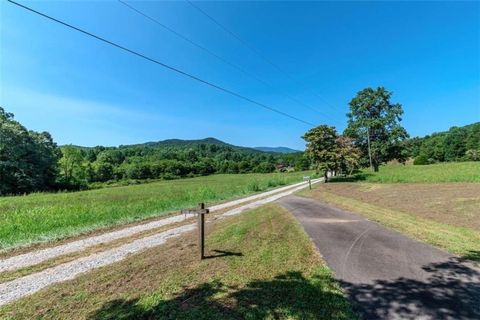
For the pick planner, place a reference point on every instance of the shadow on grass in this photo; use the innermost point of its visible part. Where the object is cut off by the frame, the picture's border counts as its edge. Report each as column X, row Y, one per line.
column 221, row 253
column 361, row 176
column 451, row 291
column 287, row 295
column 472, row 255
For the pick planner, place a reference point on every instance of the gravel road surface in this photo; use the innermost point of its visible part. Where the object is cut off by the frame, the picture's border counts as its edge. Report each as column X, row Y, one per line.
column 38, row 256
column 20, row 287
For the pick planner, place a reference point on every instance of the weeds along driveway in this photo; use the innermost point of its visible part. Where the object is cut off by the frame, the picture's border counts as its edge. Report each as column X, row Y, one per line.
column 385, row 274
column 38, row 256
column 25, row 285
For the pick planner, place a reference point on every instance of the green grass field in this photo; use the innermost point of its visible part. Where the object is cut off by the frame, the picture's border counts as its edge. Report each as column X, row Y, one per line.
column 46, row 216
column 261, row 265
column 441, row 172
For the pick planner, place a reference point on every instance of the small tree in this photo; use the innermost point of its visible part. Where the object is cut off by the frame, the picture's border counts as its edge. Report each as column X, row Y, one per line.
column 349, row 155
column 374, row 125
column 322, row 148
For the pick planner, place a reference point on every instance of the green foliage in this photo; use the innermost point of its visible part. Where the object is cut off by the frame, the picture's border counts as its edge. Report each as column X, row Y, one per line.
column 322, row 147
column 473, row 155
column 421, row 160
column 373, row 117
column 175, row 159
column 329, row 151
column 254, row 186
column 28, row 159
column 456, row 144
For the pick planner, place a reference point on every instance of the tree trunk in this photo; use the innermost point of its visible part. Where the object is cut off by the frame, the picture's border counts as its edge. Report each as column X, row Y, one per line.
column 325, row 176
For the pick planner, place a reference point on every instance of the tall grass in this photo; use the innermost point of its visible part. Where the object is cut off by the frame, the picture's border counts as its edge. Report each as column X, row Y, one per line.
column 46, row 216
column 441, row 172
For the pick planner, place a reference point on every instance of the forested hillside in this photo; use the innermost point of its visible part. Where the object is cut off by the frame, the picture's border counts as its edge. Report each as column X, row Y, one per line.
column 31, row 161
column 456, row 144
column 169, row 159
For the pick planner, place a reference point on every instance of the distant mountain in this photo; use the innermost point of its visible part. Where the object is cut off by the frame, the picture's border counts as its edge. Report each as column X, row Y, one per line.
column 180, row 144
column 277, row 149
column 186, row 144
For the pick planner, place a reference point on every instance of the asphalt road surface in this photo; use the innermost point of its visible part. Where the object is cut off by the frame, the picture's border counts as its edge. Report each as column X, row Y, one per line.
column 385, row 274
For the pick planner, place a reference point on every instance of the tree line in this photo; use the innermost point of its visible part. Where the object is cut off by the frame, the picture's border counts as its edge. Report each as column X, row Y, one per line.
column 31, row 161
column 456, row 144
column 83, row 166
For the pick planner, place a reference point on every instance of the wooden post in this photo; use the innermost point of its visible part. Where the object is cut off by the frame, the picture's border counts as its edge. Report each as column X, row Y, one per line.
column 309, row 179
column 201, row 230
column 201, row 212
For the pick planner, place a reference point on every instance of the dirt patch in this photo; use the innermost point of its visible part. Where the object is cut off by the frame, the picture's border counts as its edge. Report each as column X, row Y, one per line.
column 456, row 204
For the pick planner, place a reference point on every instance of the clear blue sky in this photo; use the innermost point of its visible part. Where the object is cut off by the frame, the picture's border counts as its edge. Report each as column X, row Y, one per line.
column 87, row 93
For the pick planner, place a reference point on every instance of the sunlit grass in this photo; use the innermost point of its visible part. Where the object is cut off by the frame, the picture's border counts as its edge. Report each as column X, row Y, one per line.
column 441, row 172
column 46, row 216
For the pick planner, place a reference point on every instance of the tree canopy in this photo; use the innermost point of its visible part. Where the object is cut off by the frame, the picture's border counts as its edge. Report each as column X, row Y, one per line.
column 28, row 159
column 374, row 126
column 329, row 151
column 456, row 144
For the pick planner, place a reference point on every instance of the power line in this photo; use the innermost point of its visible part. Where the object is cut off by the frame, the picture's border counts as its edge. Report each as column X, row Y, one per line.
column 254, row 50
column 231, row 64
column 166, row 66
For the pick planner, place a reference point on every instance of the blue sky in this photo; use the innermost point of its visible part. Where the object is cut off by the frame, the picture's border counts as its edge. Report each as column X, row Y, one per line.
column 87, row 93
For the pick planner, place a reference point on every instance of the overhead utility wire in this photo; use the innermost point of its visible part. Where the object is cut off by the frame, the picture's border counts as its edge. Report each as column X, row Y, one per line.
column 231, row 64
column 254, row 50
column 166, row 66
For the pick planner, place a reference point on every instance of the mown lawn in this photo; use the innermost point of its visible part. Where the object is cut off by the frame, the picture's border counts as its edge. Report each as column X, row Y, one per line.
column 261, row 265
column 46, row 216
column 444, row 215
column 441, row 172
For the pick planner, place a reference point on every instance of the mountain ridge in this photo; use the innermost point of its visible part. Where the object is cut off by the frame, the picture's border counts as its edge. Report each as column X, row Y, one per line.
column 190, row 143
column 277, row 149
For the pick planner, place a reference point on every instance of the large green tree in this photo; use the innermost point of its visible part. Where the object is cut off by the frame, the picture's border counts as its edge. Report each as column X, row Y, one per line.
column 374, row 125
column 322, row 148
column 73, row 167
column 28, row 159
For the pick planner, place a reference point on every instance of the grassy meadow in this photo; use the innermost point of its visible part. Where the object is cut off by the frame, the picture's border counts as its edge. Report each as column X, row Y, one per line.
column 47, row 216
column 441, row 172
column 260, row 265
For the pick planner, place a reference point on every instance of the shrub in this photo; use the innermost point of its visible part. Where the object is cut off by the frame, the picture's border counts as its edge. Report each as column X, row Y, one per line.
column 254, row 186
column 421, row 160
column 473, row 155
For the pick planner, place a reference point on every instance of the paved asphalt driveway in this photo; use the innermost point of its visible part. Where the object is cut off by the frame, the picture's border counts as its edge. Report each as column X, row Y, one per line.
column 385, row 274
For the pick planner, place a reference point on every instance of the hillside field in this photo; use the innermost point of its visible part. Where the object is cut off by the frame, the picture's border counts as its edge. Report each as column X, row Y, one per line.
column 47, row 216
column 441, row 172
